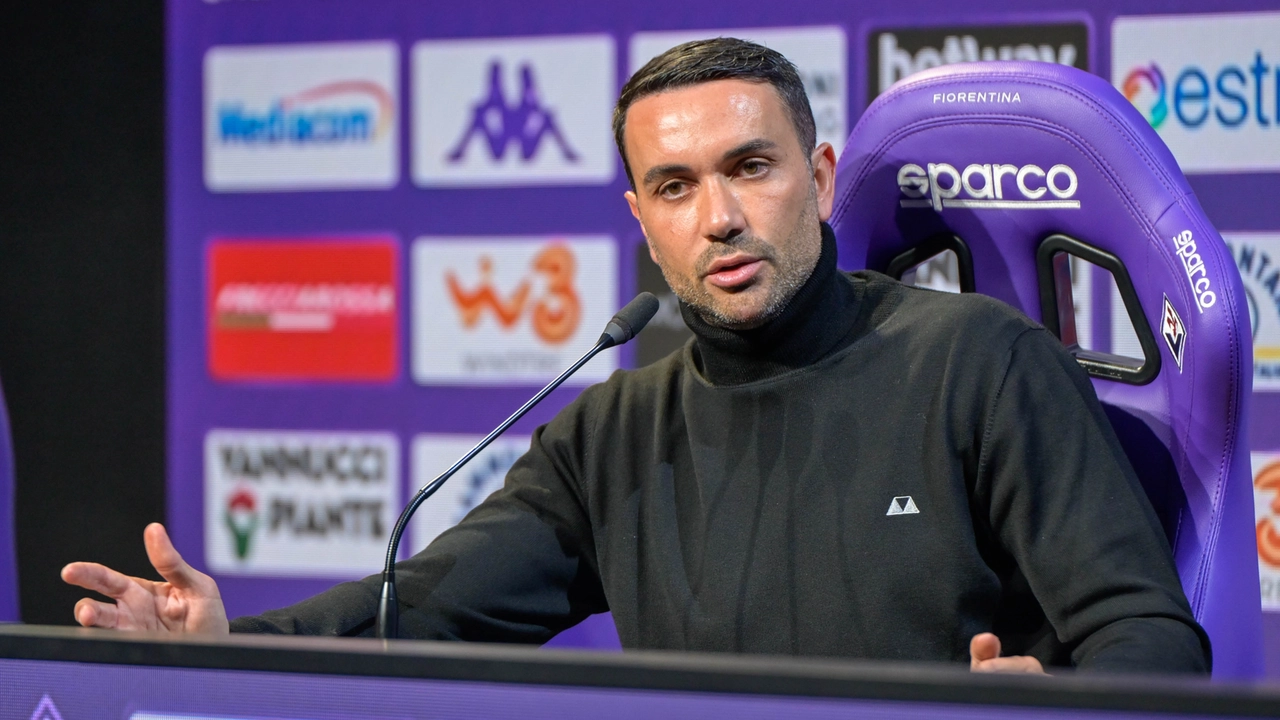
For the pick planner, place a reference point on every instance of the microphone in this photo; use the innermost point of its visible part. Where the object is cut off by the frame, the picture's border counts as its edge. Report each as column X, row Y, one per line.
column 628, row 323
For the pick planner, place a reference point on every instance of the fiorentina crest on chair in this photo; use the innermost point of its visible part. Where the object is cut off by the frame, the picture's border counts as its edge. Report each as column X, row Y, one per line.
column 1174, row 332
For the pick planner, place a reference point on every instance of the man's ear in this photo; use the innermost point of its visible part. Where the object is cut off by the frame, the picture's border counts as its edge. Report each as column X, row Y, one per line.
column 630, row 195
column 824, row 178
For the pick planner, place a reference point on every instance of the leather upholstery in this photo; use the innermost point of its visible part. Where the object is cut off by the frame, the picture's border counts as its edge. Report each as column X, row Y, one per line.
column 1116, row 187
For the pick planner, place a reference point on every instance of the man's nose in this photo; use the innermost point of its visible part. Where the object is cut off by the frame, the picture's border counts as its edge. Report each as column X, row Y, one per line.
column 722, row 216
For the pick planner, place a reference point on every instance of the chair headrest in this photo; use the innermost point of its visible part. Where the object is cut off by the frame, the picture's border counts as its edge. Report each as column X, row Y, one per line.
column 1006, row 154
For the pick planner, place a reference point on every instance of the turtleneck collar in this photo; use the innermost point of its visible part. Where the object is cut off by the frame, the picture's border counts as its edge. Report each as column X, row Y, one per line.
column 815, row 323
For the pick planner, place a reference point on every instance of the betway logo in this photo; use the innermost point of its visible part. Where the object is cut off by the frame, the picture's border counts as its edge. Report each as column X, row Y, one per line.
column 989, row 186
column 897, row 53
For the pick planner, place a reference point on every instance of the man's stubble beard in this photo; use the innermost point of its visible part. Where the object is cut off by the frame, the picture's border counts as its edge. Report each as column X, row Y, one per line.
column 791, row 272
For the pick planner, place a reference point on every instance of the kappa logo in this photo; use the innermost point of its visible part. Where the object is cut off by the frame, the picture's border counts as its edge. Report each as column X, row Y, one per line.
column 985, row 186
column 525, row 123
column 1174, row 332
column 903, row 505
column 46, row 710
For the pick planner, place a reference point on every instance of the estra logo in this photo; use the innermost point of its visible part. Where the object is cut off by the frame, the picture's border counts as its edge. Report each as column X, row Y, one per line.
column 503, row 310
column 303, row 309
column 988, row 186
column 299, row 503
column 1207, row 83
column 513, row 111
column 301, row 117
column 477, row 480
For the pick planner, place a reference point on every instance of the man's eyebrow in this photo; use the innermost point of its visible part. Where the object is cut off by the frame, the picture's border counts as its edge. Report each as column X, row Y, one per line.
column 660, row 171
column 750, row 147
column 747, row 148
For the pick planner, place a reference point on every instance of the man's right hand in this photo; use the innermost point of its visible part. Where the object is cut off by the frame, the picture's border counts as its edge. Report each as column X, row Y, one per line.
column 189, row 602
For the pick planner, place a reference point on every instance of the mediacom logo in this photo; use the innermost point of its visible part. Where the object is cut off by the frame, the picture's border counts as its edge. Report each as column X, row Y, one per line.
column 1257, row 256
column 893, row 54
column 513, row 111
column 301, row 117
column 480, row 478
column 1266, row 512
column 303, row 309
column 299, row 503
column 819, row 53
column 511, row 310
column 1207, row 83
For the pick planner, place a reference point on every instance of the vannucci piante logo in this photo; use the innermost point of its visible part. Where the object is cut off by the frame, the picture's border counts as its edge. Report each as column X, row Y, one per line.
column 988, row 186
column 349, row 111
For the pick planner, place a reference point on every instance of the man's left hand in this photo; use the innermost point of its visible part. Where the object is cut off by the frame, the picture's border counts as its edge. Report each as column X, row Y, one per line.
column 984, row 656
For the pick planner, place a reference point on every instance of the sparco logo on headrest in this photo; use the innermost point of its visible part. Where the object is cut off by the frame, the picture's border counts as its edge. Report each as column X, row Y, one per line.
column 988, row 186
column 1193, row 265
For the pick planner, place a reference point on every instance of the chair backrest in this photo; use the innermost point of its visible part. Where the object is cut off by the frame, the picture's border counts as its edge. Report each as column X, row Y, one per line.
column 1014, row 165
column 8, row 557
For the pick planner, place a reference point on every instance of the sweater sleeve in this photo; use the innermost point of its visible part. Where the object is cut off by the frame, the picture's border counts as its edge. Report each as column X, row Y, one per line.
column 1066, row 504
column 520, row 567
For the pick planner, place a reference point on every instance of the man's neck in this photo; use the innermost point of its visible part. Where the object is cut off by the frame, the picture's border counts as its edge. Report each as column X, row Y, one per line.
column 813, row 324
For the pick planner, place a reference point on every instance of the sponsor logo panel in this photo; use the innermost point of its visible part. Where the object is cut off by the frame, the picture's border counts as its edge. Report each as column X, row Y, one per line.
column 1207, row 84
column 819, row 53
column 893, row 54
column 511, row 309
column 521, row 111
column 1266, row 516
column 988, row 186
column 301, row 117
column 477, row 480
column 303, row 309
column 1257, row 256
column 666, row 332
column 299, row 503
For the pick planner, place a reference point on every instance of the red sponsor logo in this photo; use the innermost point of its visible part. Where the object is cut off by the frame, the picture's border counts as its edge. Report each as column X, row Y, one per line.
column 303, row 310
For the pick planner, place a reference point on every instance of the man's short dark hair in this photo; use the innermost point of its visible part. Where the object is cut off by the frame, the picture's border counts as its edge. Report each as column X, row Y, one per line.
column 701, row 61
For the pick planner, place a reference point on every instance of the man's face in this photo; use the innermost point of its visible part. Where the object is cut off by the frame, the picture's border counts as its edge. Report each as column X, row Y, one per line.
column 727, row 199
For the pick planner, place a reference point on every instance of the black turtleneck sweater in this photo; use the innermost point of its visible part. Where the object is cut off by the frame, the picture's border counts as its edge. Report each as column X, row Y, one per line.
column 879, row 472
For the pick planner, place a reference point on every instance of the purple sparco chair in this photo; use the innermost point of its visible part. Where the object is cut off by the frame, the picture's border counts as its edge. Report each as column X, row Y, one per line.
column 1014, row 166
column 8, row 558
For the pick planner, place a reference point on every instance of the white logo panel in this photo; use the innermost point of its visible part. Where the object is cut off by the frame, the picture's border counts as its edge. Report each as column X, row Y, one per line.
column 819, row 53
column 1206, row 83
column 1266, row 516
column 1257, row 256
column 301, row 117
column 477, row 480
column 521, row 111
column 299, row 503
column 502, row 310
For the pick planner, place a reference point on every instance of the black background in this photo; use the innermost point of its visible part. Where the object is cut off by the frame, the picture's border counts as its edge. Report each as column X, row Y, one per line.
column 82, row 285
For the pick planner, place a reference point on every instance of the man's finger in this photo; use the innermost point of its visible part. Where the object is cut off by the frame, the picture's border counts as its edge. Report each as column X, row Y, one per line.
column 1014, row 664
column 91, row 613
column 165, row 558
column 98, row 578
column 983, row 647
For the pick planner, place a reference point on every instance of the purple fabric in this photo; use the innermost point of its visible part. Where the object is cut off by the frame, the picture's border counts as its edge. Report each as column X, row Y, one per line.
column 1134, row 203
column 8, row 558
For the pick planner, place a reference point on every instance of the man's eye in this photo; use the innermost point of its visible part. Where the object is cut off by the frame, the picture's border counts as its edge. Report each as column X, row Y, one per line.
column 753, row 167
column 672, row 189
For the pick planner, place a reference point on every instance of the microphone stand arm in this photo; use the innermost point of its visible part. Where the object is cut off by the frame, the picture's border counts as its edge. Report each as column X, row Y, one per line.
column 388, row 627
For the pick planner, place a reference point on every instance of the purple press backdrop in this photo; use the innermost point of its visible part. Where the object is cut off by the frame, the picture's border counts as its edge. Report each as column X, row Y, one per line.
column 362, row 128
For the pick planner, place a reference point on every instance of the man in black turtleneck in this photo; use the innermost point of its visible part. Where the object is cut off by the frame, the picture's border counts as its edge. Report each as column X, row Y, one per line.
column 732, row 497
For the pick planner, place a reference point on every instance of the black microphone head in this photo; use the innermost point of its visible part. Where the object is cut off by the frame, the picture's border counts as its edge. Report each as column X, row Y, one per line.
column 631, row 319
